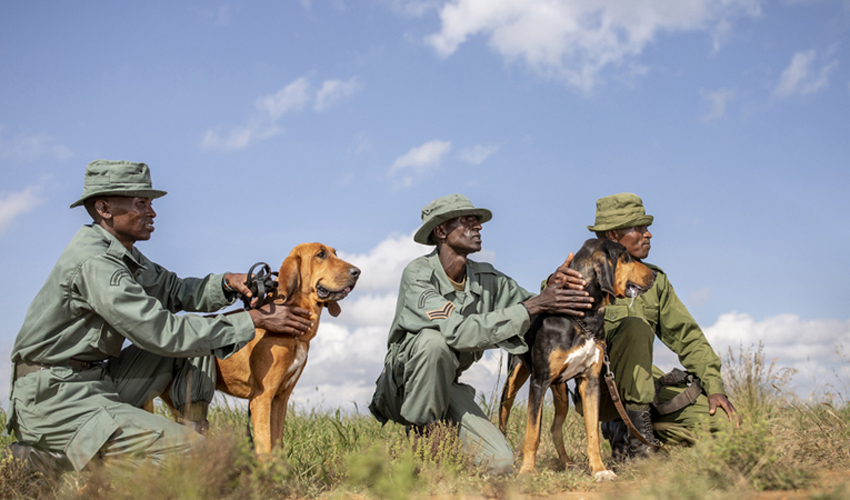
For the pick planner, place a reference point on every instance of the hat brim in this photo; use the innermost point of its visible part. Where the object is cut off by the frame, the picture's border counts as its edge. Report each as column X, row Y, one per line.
column 644, row 220
column 130, row 193
column 423, row 235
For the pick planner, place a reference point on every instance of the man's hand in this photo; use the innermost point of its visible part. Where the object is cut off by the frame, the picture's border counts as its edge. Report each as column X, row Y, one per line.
column 280, row 319
column 564, row 277
column 236, row 281
column 555, row 300
column 717, row 399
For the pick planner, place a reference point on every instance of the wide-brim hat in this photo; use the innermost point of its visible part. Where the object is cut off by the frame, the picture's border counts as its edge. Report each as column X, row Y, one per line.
column 447, row 208
column 620, row 211
column 117, row 178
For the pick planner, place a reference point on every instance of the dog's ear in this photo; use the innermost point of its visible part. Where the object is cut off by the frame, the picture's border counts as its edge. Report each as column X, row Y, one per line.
column 333, row 308
column 289, row 277
column 608, row 267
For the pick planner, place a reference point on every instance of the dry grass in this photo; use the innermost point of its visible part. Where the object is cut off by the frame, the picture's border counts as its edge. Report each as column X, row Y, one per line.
column 781, row 445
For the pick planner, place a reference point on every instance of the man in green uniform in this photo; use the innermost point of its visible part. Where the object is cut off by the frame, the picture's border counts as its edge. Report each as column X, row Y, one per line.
column 76, row 394
column 631, row 328
column 450, row 309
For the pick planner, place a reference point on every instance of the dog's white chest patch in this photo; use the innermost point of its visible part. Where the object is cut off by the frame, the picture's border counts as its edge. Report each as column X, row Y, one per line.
column 579, row 360
column 300, row 357
column 297, row 365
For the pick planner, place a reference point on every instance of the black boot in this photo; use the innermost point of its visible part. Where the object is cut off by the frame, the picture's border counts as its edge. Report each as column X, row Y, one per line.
column 643, row 423
column 617, row 434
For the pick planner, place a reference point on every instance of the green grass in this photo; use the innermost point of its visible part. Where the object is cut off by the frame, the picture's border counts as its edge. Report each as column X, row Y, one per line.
column 781, row 445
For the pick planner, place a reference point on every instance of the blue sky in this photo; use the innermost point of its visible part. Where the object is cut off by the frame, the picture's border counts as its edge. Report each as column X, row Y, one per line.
column 274, row 123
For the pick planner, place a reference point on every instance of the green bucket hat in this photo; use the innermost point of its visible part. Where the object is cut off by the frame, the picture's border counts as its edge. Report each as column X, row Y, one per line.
column 117, row 178
column 620, row 211
column 447, row 208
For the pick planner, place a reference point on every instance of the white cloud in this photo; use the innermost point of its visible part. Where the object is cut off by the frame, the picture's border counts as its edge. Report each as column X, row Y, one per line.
column 717, row 100
column 263, row 122
column 478, row 153
column 238, row 138
column 817, row 349
column 335, row 90
column 574, row 41
column 801, row 78
column 14, row 204
column 382, row 266
column 423, row 157
column 419, row 160
column 293, row 97
column 31, row 147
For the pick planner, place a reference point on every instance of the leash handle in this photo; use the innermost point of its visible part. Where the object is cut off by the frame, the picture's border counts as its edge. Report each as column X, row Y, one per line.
column 260, row 283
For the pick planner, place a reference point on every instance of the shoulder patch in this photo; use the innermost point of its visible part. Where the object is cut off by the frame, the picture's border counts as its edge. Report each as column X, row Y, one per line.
column 442, row 313
column 424, row 297
column 117, row 275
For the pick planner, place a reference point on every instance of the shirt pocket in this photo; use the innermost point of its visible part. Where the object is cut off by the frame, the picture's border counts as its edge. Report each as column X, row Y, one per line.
column 651, row 315
column 614, row 314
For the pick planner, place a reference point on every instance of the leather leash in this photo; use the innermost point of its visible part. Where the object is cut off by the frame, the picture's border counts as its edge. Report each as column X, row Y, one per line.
column 260, row 283
column 612, row 388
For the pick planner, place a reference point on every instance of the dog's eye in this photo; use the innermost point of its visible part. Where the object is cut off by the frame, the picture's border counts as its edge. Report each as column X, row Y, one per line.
column 321, row 254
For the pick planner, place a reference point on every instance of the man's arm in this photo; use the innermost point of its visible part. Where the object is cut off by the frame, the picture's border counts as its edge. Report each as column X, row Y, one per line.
column 680, row 332
column 126, row 306
column 421, row 306
column 183, row 294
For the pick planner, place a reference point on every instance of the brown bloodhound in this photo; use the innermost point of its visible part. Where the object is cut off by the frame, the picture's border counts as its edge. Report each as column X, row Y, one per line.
column 266, row 370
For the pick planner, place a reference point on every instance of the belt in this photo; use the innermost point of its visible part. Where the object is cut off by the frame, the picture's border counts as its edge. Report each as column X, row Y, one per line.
column 23, row 368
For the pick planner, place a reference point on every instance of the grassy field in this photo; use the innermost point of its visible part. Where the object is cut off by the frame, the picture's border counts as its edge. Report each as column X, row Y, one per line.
column 784, row 444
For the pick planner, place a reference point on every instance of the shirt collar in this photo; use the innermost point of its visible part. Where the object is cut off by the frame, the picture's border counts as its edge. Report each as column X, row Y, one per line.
column 444, row 285
column 117, row 249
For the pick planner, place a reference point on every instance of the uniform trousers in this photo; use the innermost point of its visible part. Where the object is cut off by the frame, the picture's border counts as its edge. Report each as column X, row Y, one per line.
column 432, row 393
column 110, row 398
column 630, row 350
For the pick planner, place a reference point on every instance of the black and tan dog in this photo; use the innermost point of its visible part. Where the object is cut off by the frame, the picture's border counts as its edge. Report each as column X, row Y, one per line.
column 562, row 348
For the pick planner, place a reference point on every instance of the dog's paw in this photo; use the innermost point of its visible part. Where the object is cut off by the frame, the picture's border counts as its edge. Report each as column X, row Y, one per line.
column 604, row 475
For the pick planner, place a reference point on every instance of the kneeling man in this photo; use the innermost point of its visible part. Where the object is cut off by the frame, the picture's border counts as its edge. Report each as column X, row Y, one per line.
column 450, row 309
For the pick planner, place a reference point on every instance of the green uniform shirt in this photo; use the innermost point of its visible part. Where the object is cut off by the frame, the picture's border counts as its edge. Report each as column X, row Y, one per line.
column 485, row 315
column 98, row 295
column 674, row 325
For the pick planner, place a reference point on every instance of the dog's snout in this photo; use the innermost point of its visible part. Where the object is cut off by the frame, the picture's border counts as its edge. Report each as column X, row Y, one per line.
column 354, row 272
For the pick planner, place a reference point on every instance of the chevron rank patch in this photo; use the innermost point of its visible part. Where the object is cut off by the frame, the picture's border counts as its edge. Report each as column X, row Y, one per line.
column 441, row 313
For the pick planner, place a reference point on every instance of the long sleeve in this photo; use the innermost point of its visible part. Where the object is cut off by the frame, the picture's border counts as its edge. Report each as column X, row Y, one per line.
column 680, row 332
column 105, row 287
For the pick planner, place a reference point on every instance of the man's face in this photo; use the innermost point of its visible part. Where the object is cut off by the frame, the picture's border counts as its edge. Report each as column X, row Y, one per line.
column 635, row 239
column 132, row 218
column 463, row 234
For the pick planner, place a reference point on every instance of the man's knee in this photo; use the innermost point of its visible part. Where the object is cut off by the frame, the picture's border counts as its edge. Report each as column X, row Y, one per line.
column 430, row 348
